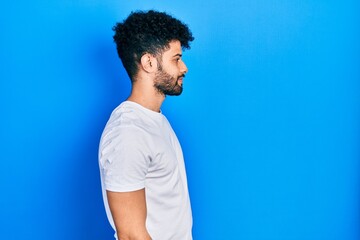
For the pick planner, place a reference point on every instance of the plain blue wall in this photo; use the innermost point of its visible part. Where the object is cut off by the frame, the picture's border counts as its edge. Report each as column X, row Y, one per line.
column 268, row 121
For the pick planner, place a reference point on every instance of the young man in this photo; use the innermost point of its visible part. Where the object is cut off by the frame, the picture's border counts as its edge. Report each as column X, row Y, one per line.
column 141, row 162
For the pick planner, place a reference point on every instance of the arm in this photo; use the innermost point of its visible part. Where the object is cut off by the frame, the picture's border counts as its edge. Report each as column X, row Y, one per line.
column 128, row 210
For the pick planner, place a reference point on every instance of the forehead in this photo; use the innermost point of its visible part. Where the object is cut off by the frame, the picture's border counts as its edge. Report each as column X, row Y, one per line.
column 174, row 48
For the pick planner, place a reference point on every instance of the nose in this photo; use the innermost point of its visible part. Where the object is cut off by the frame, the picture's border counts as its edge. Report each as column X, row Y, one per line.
column 183, row 68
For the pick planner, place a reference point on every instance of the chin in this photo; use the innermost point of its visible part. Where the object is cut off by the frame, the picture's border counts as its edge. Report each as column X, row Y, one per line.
column 177, row 93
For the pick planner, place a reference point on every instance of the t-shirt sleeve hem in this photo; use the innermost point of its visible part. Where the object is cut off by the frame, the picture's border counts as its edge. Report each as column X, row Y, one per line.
column 127, row 188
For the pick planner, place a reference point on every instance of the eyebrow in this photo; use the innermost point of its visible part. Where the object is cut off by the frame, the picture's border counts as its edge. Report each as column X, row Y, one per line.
column 178, row 55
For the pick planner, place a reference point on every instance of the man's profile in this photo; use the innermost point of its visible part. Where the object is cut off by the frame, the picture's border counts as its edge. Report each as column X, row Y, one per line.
column 141, row 162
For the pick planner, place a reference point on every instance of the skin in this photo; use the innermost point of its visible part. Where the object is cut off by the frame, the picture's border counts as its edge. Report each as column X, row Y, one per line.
column 129, row 208
column 143, row 90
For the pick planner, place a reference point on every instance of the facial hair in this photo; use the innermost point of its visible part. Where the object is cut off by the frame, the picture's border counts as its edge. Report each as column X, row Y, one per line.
column 167, row 84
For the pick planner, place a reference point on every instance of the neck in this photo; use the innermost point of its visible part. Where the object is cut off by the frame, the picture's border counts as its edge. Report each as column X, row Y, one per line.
column 147, row 97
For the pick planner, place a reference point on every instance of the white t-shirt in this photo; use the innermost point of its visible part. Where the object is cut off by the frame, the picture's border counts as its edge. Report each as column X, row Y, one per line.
column 139, row 149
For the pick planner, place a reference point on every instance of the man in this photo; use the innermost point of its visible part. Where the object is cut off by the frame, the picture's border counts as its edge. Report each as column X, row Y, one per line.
column 141, row 162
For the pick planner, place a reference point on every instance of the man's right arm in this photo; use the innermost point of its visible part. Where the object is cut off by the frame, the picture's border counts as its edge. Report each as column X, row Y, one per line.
column 129, row 212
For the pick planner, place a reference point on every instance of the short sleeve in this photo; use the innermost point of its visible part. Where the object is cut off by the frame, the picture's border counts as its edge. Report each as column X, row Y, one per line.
column 124, row 160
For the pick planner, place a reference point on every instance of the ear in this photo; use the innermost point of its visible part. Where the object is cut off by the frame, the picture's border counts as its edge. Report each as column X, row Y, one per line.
column 148, row 63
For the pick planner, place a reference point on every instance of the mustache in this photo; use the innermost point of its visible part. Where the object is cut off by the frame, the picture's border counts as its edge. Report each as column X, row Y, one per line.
column 181, row 76
column 176, row 83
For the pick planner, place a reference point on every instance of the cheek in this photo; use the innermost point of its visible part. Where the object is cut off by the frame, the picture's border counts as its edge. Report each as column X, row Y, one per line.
column 177, row 69
column 174, row 71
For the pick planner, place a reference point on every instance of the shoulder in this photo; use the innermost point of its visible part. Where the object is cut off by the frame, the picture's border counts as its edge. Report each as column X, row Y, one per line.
column 124, row 119
column 125, row 129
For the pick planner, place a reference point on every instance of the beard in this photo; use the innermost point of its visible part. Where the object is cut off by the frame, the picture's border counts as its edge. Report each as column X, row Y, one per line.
column 167, row 84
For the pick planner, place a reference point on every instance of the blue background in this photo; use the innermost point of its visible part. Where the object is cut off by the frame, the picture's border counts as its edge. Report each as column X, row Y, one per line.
column 268, row 121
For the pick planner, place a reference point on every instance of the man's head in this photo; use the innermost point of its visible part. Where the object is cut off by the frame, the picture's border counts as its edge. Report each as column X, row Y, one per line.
column 149, row 33
column 170, row 71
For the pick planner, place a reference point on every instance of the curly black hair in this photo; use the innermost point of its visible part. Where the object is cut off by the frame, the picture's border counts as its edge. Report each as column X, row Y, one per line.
column 147, row 32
